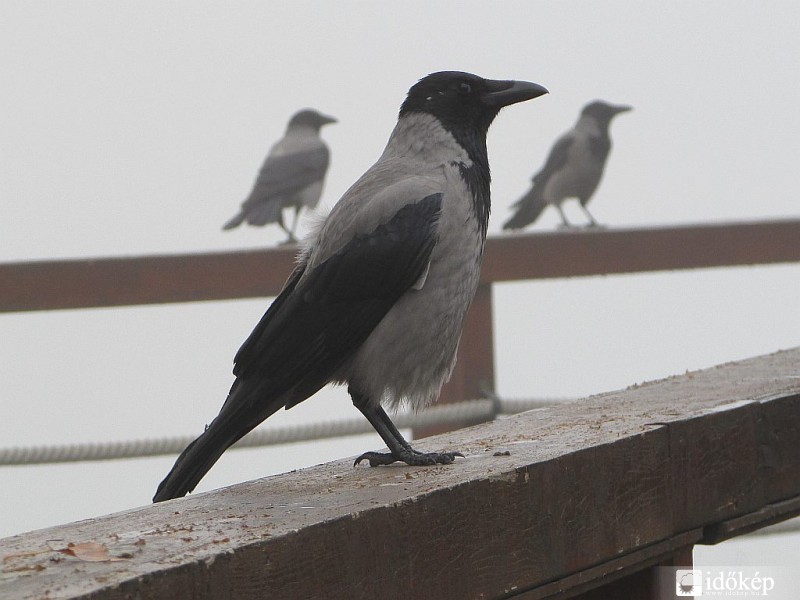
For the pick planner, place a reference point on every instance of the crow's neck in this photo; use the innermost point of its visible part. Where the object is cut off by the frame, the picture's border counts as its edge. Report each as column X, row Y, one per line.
column 424, row 137
column 477, row 175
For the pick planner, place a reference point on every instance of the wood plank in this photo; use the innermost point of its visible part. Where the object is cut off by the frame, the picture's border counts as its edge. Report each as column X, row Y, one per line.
column 583, row 485
column 582, row 252
column 626, row 577
column 69, row 284
column 128, row 281
column 763, row 517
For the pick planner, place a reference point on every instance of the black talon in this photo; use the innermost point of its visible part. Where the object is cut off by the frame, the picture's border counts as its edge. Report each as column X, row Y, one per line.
column 399, row 449
column 411, row 457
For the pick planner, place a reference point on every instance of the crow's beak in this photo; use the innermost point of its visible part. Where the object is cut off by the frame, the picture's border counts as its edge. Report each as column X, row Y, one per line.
column 503, row 93
column 325, row 119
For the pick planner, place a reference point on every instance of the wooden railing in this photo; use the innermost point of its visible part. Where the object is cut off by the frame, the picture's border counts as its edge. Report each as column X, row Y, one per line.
column 70, row 284
column 101, row 282
column 583, row 500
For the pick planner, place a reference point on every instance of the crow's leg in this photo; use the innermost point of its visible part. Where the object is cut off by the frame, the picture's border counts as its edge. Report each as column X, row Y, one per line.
column 289, row 232
column 563, row 216
column 399, row 448
column 592, row 222
column 294, row 222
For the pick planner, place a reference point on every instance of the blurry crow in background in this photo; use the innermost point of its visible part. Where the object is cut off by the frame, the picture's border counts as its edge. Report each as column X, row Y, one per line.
column 573, row 168
column 292, row 174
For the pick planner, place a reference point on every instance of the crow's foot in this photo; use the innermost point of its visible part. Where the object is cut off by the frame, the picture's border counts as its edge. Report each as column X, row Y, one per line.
column 409, row 456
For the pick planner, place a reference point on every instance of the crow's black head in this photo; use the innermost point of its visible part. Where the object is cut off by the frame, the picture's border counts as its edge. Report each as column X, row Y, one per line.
column 463, row 102
column 466, row 105
column 603, row 112
column 310, row 118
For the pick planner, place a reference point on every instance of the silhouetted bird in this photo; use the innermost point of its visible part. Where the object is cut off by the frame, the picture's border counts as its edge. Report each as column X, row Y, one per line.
column 292, row 174
column 573, row 168
column 378, row 298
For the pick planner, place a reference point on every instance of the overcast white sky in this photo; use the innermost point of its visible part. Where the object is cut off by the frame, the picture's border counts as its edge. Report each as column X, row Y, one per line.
column 134, row 128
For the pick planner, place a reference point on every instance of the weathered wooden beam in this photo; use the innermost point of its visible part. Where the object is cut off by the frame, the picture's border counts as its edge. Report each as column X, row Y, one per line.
column 68, row 284
column 129, row 281
column 635, row 250
column 768, row 515
column 556, row 500
column 631, row 576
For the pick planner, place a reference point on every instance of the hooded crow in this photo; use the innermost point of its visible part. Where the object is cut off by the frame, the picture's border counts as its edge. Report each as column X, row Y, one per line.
column 573, row 168
column 378, row 298
column 292, row 174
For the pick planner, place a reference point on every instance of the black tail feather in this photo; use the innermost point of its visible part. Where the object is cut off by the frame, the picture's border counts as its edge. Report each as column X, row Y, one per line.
column 194, row 462
column 234, row 222
column 529, row 207
column 224, row 431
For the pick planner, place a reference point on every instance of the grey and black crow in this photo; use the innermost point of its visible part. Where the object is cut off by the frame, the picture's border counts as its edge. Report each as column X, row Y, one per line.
column 573, row 168
column 292, row 174
column 378, row 298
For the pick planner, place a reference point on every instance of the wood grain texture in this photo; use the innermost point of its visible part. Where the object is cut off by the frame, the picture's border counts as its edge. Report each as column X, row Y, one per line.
column 591, row 489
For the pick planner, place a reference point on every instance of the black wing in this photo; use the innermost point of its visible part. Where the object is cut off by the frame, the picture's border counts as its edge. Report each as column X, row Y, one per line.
column 322, row 317
column 556, row 160
column 530, row 206
column 289, row 173
column 600, row 146
column 316, row 323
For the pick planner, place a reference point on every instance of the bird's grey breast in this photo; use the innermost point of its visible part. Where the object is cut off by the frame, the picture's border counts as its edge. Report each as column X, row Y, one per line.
column 581, row 172
column 411, row 352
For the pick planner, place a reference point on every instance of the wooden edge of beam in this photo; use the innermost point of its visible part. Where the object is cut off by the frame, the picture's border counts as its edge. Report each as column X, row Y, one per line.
column 614, row 569
column 744, row 524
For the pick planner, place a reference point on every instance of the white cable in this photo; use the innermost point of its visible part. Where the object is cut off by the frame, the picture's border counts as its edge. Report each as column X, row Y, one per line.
column 469, row 411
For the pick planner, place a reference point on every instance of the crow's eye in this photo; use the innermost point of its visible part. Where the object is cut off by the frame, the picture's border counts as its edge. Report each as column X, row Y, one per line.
column 465, row 89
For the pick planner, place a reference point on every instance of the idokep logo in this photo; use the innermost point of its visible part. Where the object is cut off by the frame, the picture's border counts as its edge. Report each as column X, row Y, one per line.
column 688, row 582
column 724, row 582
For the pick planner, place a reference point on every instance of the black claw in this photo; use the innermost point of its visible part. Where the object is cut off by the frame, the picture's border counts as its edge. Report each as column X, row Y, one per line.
column 376, row 458
column 409, row 456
